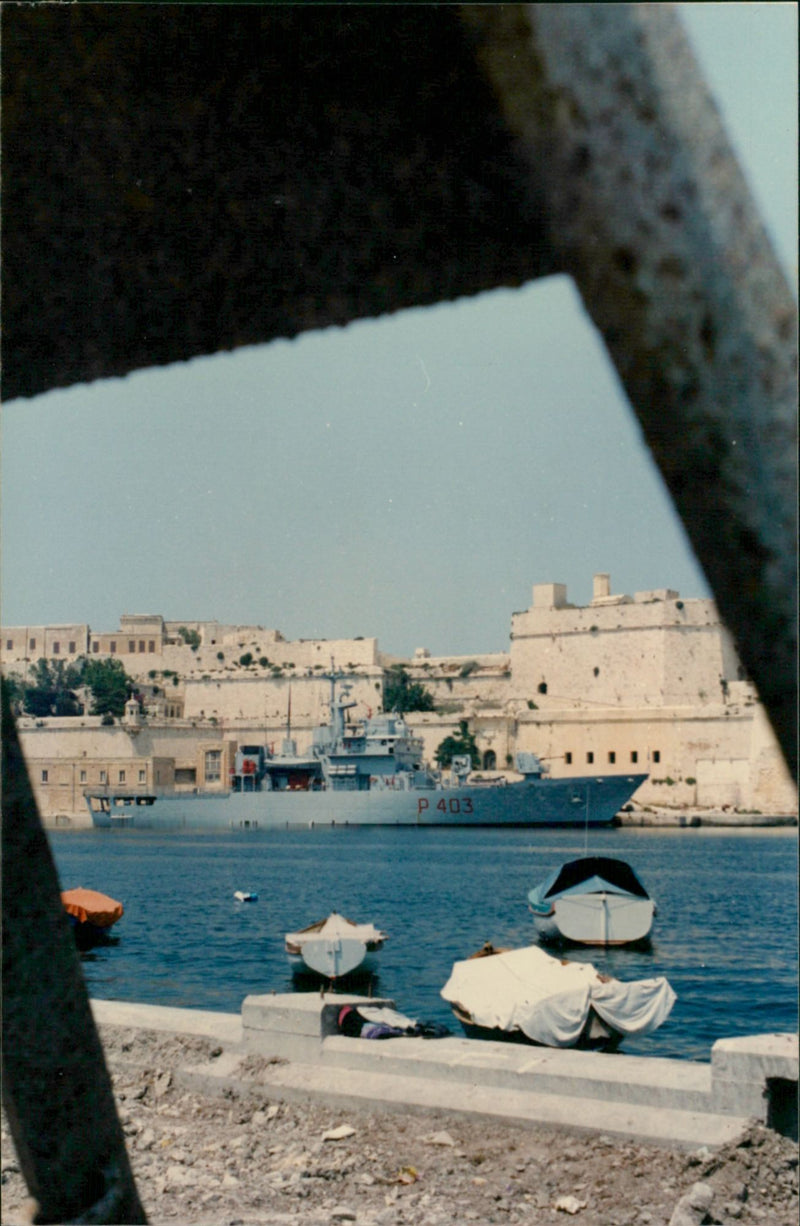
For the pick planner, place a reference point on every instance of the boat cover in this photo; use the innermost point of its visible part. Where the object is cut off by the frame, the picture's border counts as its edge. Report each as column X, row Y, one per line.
column 590, row 875
column 549, row 999
column 91, row 907
column 336, row 927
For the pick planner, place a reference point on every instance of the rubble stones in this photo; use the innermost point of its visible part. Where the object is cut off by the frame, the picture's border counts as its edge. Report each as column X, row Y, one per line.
column 253, row 1158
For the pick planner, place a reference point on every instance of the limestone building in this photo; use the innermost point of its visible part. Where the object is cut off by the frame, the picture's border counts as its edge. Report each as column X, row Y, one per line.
column 648, row 682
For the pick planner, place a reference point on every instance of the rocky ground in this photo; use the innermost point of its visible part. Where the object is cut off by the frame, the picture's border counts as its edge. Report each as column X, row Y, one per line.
column 251, row 1159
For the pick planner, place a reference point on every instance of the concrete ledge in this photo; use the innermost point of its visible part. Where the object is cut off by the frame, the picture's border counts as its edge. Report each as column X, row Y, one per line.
column 647, row 1081
column 391, row 1091
column 294, row 1024
column 671, row 1102
column 226, row 1027
column 742, row 1068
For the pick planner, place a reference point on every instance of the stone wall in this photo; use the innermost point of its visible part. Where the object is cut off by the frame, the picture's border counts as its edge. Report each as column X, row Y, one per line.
column 648, row 683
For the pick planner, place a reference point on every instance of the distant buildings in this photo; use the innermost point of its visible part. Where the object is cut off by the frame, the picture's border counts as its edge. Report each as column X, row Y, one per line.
column 649, row 682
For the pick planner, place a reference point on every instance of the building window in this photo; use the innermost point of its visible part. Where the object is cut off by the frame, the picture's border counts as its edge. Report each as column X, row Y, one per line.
column 95, row 646
column 131, row 645
column 151, row 646
column 656, row 755
column 83, row 777
column 141, row 644
column 56, row 648
column 44, row 776
column 634, row 755
column 612, row 757
column 72, row 648
column 104, row 777
column 542, row 687
column 122, row 776
column 568, row 758
column 32, row 644
column 213, row 766
column 590, row 757
column 112, row 646
column 9, row 644
column 143, row 776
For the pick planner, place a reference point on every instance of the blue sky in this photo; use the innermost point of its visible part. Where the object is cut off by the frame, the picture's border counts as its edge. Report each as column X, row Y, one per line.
column 409, row 478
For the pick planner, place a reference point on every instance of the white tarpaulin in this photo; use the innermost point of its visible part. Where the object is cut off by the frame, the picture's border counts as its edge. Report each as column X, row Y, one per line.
column 336, row 927
column 549, row 999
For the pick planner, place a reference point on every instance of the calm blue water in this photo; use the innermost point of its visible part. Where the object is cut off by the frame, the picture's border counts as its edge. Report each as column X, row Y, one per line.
column 726, row 933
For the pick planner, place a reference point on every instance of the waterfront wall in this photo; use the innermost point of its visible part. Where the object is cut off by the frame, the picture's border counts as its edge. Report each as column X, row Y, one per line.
column 648, row 683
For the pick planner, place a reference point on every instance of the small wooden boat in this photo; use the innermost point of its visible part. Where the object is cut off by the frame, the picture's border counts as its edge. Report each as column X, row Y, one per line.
column 334, row 948
column 596, row 900
column 529, row 996
column 245, row 896
column 92, row 915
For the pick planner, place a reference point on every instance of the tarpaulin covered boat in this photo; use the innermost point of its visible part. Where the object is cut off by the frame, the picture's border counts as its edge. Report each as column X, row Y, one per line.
column 527, row 995
column 334, row 947
column 91, row 914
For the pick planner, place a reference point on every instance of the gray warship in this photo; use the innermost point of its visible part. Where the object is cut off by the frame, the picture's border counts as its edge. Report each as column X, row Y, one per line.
column 368, row 773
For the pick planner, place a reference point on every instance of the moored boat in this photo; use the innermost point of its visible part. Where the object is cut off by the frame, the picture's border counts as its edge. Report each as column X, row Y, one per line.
column 529, row 996
column 91, row 914
column 595, row 900
column 334, row 948
column 369, row 772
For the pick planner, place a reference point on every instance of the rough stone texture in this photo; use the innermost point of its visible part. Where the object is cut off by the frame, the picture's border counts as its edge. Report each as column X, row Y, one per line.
column 693, row 1207
column 648, row 210
column 56, row 1089
column 180, row 180
column 742, row 1067
column 255, row 1159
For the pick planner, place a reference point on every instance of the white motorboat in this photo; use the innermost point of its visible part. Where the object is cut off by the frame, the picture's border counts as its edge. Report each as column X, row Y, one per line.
column 334, row 947
column 596, row 900
column 529, row 996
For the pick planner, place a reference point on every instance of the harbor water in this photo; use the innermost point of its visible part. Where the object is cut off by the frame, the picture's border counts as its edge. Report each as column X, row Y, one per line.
column 725, row 933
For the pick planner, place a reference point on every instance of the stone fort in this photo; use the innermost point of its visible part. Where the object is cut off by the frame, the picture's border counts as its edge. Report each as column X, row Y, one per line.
column 649, row 682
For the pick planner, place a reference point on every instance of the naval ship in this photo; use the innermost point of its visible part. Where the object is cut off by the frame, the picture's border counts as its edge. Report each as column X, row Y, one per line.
column 367, row 773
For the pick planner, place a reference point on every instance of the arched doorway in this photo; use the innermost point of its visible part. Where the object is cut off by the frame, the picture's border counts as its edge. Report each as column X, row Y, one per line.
column 490, row 760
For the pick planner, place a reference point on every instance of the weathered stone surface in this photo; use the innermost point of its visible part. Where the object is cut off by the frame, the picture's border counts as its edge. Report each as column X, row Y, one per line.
column 285, row 1175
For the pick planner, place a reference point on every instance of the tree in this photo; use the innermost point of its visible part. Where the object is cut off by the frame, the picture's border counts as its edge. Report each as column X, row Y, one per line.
column 455, row 746
column 52, row 691
column 109, row 683
column 15, row 690
column 401, row 694
column 190, row 637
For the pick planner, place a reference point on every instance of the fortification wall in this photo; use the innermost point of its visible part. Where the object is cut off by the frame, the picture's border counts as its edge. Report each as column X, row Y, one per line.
column 649, row 683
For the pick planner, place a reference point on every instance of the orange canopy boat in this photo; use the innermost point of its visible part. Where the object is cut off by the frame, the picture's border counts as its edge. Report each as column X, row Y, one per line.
column 91, row 913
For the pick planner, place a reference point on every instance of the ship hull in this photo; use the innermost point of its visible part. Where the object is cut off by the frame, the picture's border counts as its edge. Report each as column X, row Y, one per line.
column 537, row 802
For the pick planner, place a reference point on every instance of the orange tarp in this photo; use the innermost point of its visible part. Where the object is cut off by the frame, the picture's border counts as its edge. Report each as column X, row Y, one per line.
column 91, row 907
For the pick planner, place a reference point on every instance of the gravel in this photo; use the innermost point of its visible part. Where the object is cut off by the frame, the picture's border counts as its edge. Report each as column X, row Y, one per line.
column 253, row 1159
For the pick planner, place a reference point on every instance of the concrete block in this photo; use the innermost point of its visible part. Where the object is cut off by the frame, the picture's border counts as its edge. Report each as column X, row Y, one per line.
column 676, row 1084
column 294, row 1024
column 742, row 1068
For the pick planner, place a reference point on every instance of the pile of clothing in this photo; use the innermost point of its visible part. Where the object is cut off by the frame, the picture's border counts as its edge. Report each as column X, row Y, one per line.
column 366, row 1022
